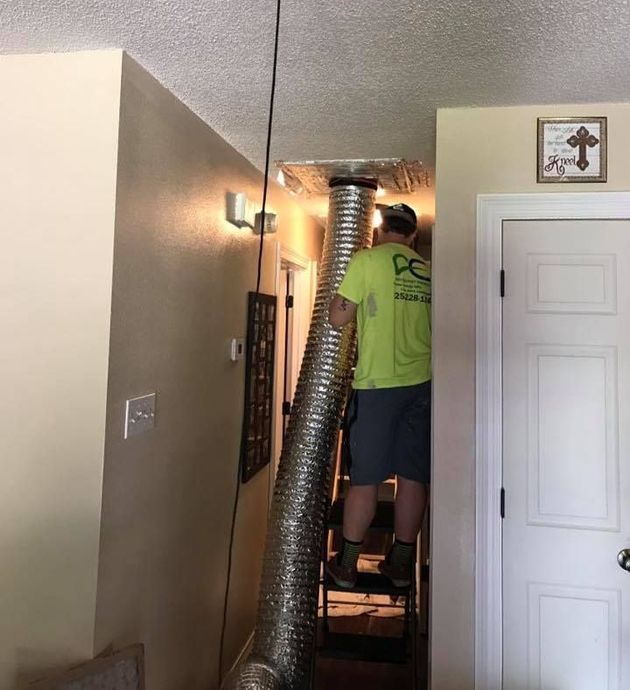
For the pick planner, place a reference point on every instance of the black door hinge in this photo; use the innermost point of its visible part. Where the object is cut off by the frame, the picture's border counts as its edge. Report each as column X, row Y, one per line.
column 289, row 302
column 286, row 408
column 502, row 282
column 502, row 502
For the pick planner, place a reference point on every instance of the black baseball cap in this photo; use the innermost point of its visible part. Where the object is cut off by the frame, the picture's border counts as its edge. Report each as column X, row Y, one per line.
column 401, row 211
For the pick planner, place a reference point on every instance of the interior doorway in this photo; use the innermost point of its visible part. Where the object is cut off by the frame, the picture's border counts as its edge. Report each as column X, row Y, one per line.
column 296, row 279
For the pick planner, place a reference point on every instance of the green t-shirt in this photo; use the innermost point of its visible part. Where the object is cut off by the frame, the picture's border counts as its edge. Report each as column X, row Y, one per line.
column 391, row 285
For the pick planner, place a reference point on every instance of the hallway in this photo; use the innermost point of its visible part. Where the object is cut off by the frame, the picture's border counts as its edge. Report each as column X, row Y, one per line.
column 160, row 249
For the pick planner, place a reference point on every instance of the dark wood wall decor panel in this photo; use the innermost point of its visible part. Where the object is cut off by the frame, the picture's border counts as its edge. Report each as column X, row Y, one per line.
column 256, row 446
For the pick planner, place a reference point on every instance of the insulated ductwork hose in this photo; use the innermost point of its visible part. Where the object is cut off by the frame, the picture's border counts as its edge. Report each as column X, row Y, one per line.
column 284, row 640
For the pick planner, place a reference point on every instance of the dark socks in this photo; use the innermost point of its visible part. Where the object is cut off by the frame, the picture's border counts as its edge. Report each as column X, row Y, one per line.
column 349, row 554
column 401, row 553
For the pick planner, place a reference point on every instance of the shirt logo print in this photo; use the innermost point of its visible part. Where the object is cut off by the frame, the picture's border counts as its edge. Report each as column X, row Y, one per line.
column 403, row 263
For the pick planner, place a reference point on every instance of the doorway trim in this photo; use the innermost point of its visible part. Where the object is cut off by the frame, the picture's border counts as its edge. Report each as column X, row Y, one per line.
column 301, row 262
column 492, row 211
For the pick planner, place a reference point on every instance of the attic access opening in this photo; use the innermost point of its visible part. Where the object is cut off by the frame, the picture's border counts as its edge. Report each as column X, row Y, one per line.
column 394, row 175
column 398, row 180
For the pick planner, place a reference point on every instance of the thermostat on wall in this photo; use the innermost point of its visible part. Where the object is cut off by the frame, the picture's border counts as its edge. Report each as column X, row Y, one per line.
column 237, row 349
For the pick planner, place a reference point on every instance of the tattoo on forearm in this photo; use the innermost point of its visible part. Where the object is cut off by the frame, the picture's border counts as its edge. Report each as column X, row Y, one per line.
column 344, row 305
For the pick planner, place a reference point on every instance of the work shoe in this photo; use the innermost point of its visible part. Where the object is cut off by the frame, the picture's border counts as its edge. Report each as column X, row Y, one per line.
column 342, row 576
column 398, row 575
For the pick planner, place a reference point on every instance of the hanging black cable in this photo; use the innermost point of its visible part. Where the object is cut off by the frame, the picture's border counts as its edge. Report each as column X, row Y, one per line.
column 258, row 280
column 286, row 405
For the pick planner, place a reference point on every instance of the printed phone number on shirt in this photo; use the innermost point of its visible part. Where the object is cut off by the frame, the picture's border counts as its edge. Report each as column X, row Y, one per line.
column 412, row 297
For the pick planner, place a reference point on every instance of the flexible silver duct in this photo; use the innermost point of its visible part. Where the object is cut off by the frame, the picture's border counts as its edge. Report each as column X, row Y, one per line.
column 284, row 640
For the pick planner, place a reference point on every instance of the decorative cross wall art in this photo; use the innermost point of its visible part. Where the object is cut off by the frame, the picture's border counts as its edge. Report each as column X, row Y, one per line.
column 572, row 149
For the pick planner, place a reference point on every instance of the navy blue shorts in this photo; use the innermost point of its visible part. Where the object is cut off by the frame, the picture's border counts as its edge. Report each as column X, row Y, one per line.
column 389, row 433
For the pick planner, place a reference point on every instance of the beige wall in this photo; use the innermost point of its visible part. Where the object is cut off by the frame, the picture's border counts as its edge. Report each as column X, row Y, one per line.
column 181, row 274
column 485, row 150
column 58, row 134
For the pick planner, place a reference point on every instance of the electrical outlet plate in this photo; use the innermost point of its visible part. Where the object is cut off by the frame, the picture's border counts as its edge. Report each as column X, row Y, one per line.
column 139, row 415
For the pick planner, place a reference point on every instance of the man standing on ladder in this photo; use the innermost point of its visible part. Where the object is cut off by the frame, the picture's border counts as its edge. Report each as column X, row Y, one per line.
column 387, row 289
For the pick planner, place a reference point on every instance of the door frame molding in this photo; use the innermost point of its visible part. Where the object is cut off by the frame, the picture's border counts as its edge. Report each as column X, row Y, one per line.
column 302, row 262
column 492, row 211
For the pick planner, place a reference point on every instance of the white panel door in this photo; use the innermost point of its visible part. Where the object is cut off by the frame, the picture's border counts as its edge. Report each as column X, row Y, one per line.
column 566, row 455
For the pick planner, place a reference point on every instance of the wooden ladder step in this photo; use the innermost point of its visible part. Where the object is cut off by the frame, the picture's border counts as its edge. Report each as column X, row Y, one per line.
column 352, row 647
column 369, row 583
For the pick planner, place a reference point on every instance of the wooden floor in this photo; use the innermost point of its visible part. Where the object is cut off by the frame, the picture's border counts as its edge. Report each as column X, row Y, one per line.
column 335, row 674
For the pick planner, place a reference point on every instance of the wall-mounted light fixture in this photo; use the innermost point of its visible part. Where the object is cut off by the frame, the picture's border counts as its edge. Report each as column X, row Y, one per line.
column 271, row 223
column 240, row 211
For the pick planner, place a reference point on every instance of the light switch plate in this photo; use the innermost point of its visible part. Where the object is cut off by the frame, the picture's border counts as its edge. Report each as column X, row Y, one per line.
column 139, row 415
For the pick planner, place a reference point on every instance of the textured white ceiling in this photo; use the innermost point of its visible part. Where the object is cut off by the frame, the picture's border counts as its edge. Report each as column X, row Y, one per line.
column 357, row 79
